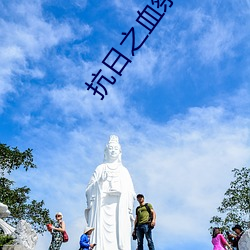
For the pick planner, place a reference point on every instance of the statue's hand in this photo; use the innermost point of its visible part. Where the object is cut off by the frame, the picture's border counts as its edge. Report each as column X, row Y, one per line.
column 132, row 217
column 90, row 202
column 104, row 176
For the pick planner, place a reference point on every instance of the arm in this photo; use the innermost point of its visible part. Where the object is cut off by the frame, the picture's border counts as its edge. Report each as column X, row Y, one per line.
column 224, row 242
column 60, row 229
column 231, row 238
column 154, row 217
column 153, row 214
column 84, row 241
column 94, row 184
column 135, row 224
column 90, row 190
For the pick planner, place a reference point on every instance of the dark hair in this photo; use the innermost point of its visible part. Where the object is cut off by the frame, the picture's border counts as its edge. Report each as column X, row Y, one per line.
column 215, row 234
column 139, row 196
column 237, row 227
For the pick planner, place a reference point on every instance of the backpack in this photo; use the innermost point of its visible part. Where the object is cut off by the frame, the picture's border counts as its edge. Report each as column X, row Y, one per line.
column 149, row 212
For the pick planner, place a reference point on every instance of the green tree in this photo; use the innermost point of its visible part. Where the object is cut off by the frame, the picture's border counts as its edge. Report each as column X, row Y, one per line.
column 17, row 199
column 235, row 207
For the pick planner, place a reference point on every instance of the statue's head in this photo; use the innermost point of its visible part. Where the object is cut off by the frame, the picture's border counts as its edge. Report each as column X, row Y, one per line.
column 113, row 150
column 4, row 211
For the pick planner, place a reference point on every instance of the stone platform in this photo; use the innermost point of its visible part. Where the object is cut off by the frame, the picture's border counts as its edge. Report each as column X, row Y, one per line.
column 13, row 247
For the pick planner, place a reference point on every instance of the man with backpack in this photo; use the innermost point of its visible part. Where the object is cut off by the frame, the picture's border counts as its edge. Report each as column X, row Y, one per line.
column 144, row 223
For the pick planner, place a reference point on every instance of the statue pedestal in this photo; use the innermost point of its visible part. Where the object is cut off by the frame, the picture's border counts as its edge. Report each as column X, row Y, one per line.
column 13, row 247
column 244, row 242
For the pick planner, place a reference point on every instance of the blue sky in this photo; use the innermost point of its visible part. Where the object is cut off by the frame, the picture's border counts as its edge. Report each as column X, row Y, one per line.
column 180, row 108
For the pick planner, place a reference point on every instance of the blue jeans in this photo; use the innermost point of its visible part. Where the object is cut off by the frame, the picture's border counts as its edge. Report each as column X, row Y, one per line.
column 142, row 230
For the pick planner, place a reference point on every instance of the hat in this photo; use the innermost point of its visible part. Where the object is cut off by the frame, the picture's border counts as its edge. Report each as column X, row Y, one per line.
column 237, row 227
column 87, row 229
column 140, row 195
column 59, row 213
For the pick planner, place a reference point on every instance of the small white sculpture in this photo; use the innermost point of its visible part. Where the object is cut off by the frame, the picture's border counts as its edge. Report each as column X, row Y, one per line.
column 244, row 242
column 25, row 235
column 4, row 212
column 110, row 198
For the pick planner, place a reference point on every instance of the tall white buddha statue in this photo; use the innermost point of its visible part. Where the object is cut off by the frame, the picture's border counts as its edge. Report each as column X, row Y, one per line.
column 110, row 197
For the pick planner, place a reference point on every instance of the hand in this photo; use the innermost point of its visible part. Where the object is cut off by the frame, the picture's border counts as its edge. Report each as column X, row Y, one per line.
column 49, row 227
column 153, row 223
column 104, row 175
column 132, row 219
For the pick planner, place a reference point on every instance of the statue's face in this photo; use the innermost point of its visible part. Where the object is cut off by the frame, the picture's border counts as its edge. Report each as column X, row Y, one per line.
column 113, row 150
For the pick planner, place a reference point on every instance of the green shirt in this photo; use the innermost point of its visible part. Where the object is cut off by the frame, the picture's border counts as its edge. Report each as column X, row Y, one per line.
column 142, row 214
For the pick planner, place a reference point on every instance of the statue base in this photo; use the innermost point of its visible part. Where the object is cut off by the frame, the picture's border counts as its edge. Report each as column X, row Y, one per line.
column 12, row 247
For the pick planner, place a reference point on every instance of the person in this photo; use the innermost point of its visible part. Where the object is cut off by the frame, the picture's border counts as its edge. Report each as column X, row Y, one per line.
column 142, row 226
column 85, row 239
column 239, row 231
column 56, row 231
column 231, row 240
column 218, row 240
column 110, row 198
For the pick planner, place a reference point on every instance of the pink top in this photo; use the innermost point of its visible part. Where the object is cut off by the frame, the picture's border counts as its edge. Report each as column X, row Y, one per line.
column 219, row 242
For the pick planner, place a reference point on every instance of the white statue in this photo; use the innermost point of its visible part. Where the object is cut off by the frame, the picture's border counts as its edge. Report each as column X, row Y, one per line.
column 110, row 197
column 4, row 212
column 25, row 235
column 244, row 242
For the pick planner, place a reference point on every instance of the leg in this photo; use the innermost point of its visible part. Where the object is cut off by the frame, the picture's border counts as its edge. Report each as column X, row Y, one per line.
column 55, row 244
column 149, row 238
column 140, row 231
column 51, row 247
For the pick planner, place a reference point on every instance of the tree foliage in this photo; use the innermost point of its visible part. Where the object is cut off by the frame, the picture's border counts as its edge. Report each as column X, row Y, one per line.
column 17, row 199
column 12, row 159
column 6, row 239
column 235, row 206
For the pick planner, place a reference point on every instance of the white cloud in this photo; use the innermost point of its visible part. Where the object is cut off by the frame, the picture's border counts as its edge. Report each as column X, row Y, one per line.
column 32, row 33
column 204, row 33
column 25, row 36
column 80, row 3
column 217, row 42
column 77, row 101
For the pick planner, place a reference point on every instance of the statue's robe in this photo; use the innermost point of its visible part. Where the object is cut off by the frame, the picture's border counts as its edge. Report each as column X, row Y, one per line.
column 110, row 197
